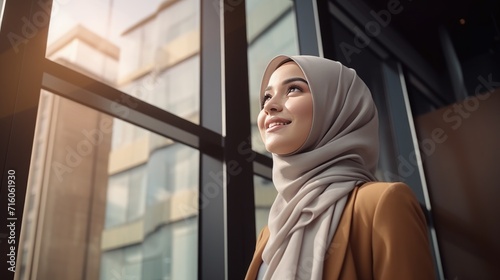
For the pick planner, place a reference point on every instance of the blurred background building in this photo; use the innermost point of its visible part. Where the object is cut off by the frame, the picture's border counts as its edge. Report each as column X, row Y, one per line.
column 132, row 126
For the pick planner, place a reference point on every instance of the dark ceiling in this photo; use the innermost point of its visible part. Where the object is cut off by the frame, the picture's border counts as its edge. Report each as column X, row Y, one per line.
column 472, row 25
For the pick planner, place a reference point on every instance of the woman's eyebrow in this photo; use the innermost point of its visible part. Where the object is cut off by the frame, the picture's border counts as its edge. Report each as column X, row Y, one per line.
column 294, row 79
column 290, row 80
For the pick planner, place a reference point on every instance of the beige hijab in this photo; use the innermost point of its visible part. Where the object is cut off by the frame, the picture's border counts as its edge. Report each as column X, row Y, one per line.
column 313, row 183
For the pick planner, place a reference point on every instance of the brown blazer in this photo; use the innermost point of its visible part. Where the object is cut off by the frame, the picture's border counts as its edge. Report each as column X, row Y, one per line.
column 382, row 235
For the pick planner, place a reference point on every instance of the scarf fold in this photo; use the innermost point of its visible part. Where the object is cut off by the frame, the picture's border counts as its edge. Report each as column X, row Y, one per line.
column 313, row 183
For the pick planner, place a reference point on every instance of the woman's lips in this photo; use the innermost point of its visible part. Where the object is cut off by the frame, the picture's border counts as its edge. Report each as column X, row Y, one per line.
column 274, row 126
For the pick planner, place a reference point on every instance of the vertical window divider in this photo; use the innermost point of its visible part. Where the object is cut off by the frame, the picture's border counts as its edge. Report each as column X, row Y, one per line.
column 23, row 40
column 238, row 154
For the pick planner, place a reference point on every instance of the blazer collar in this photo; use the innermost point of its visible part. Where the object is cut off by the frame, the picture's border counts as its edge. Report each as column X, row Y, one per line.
column 334, row 259
column 254, row 267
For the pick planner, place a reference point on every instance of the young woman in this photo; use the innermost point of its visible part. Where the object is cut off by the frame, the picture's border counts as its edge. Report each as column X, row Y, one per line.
column 331, row 219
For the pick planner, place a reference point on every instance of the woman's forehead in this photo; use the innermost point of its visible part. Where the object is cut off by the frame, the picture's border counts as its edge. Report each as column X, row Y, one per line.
column 286, row 70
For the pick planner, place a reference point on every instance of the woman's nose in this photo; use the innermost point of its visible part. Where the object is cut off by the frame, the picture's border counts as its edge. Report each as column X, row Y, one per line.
column 273, row 104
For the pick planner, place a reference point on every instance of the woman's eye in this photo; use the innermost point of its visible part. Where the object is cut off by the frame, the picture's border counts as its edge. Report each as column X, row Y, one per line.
column 266, row 97
column 294, row 89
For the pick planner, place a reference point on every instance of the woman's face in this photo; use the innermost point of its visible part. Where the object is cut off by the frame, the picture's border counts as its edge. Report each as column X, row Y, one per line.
column 287, row 110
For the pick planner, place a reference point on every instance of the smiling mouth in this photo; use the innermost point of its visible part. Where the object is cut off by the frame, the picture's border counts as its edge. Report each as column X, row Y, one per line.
column 274, row 124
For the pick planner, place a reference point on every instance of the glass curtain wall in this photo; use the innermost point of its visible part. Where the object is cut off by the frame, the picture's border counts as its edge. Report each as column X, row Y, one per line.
column 121, row 200
column 145, row 50
column 119, row 208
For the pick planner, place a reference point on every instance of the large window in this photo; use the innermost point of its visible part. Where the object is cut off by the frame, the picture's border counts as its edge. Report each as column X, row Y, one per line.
column 148, row 50
column 105, row 187
column 122, row 201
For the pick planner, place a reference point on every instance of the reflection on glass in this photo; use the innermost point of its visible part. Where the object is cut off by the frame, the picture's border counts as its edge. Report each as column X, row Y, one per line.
column 147, row 49
column 271, row 30
column 265, row 193
column 107, row 199
column 2, row 5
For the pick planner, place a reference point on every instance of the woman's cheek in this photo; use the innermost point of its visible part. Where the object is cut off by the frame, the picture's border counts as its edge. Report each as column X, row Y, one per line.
column 260, row 120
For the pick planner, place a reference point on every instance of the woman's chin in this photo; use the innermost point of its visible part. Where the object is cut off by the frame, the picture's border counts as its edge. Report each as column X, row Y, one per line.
column 276, row 148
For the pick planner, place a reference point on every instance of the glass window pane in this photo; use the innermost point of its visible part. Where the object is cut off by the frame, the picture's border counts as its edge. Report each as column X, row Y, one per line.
column 122, row 208
column 265, row 193
column 2, row 5
column 147, row 49
column 271, row 30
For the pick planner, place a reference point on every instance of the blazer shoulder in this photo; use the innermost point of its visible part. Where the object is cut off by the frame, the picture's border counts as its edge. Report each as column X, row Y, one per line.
column 376, row 190
column 370, row 195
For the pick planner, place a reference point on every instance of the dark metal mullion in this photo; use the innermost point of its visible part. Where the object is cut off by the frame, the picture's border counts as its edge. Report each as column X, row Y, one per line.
column 211, row 223
column 10, row 67
column 23, row 40
column 89, row 92
column 113, row 94
column 238, row 154
column 263, row 159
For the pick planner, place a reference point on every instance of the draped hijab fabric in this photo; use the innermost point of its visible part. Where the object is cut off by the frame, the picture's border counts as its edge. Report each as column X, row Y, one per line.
column 313, row 183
